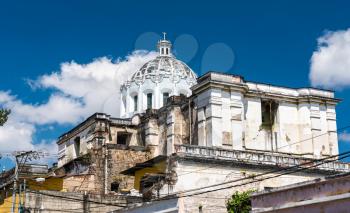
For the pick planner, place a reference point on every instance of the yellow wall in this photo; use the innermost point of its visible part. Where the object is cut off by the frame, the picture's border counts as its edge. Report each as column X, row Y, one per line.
column 52, row 183
column 156, row 168
column 6, row 206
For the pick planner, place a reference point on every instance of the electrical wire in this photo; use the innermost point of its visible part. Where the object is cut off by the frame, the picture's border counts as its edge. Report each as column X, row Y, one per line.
column 262, row 179
column 271, row 172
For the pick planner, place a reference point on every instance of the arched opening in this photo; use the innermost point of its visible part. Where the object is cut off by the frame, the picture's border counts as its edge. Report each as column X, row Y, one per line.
column 165, row 98
column 115, row 186
column 149, row 100
column 135, row 102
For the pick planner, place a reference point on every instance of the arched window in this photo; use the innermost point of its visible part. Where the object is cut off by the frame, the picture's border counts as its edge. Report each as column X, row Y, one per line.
column 135, row 102
column 149, row 100
column 165, row 98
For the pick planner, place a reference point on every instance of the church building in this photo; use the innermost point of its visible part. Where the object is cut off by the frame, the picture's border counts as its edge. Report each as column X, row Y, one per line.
column 180, row 135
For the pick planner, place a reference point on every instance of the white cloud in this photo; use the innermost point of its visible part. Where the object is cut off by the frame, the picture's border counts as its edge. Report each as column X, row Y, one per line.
column 16, row 135
column 344, row 136
column 330, row 63
column 78, row 90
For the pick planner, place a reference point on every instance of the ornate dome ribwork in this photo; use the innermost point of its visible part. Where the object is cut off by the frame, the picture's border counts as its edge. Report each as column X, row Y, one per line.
column 164, row 67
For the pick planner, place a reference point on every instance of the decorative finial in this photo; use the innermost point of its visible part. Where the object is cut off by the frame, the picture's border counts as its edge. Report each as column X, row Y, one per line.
column 164, row 35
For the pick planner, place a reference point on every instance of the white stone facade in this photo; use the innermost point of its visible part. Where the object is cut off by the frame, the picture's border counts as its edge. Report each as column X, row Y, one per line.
column 231, row 111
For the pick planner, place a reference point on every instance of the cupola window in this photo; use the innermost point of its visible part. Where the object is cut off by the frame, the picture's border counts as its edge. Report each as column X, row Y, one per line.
column 149, row 100
column 135, row 102
column 165, row 98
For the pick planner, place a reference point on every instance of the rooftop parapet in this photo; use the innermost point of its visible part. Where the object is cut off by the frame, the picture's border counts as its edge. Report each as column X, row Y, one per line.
column 258, row 158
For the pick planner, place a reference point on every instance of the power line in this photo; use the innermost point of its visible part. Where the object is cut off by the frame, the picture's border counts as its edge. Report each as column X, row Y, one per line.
column 227, row 187
column 346, row 127
column 76, row 199
column 346, row 154
column 271, row 172
column 300, row 141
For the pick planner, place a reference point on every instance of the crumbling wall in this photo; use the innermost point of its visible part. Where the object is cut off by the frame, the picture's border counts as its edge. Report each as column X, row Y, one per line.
column 79, row 183
column 120, row 160
column 171, row 125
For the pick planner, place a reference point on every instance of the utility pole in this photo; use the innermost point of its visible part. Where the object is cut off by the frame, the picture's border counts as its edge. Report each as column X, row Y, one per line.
column 14, row 188
column 85, row 203
column 21, row 158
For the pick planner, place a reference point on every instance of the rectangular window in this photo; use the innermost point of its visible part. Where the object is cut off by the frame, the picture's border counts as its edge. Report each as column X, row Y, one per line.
column 149, row 101
column 123, row 138
column 165, row 98
column 77, row 146
column 135, row 103
column 268, row 113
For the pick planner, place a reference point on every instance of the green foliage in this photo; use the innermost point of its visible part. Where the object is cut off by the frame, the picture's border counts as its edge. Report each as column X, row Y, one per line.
column 239, row 202
column 4, row 113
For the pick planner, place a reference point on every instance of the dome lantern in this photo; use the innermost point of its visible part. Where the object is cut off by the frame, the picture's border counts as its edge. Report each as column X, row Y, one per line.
column 164, row 46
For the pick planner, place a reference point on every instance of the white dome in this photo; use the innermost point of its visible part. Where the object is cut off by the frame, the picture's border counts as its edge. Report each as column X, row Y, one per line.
column 164, row 67
column 155, row 81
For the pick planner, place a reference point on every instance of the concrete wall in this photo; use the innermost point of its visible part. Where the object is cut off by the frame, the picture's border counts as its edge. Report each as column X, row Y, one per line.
column 325, row 195
column 165, row 206
column 50, row 201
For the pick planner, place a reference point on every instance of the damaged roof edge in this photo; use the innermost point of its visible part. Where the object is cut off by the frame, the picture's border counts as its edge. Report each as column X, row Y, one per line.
column 96, row 116
column 207, row 75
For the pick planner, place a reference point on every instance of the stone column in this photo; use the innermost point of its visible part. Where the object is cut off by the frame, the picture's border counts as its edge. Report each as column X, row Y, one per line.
column 152, row 136
column 237, row 117
column 332, row 130
column 315, row 118
column 214, row 118
column 156, row 97
column 170, row 122
column 139, row 100
column 202, row 138
column 127, row 108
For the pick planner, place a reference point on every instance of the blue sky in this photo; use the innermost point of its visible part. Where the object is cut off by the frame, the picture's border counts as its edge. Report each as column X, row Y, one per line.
column 271, row 42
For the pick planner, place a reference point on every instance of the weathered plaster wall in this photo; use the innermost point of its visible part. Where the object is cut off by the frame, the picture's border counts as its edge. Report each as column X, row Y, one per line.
column 69, row 150
column 166, row 127
column 52, row 201
column 79, row 183
column 231, row 117
column 192, row 175
column 328, row 195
